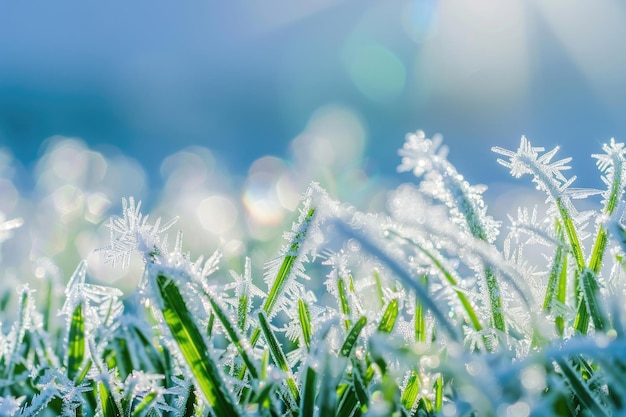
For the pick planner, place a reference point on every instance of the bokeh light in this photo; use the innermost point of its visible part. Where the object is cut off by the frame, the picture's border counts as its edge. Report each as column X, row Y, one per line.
column 223, row 114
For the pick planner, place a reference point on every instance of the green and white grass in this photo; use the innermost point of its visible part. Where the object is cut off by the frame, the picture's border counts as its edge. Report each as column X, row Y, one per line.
column 422, row 311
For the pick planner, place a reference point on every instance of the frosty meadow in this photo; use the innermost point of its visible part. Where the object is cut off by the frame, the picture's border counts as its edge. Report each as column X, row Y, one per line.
column 423, row 311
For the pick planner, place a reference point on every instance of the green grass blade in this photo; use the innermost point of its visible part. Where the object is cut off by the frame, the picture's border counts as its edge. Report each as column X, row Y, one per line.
column 388, row 321
column 155, row 357
column 144, row 406
column 495, row 301
column 599, row 247
column 572, row 235
column 330, row 388
column 309, row 390
column 12, row 355
column 439, row 394
column 591, row 290
column 242, row 312
column 602, row 237
column 265, row 402
column 123, row 358
column 210, row 324
column 420, row 318
column 76, row 346
column 410, row 392
column 582, row 316
column 343, row 301
column 348, row 402
column 353, row 335
column 285, row 268
column 279, row 356
column 305, row 323
column 284, row 271
column 193, row 348
column 561, row 295
column 84, row 371
column 107, row 401
column 242, row 346
column 555, row 271
column 359, row 384
column 189, row 409
column 265, row 360
column 581, row 390
column 47, row 311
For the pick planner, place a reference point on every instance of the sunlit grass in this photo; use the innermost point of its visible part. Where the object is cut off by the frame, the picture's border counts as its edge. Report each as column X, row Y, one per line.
column 421, row 312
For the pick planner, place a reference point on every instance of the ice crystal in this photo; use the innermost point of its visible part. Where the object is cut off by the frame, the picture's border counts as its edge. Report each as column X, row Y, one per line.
column 547, row 175
column 133, row 233
column 611, row 164
column 9, row 405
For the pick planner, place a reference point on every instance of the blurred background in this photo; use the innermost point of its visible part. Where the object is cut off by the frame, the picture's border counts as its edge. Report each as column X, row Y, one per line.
column 222, row 112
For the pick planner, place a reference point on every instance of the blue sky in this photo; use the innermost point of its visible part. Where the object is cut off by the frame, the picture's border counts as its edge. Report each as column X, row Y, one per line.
column 243, row 78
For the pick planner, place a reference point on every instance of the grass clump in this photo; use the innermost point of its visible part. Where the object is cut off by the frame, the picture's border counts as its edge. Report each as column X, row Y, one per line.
column 423, row 311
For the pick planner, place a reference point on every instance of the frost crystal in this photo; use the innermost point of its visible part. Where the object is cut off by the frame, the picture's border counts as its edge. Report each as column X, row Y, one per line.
column 546, row 174
column 132, row 232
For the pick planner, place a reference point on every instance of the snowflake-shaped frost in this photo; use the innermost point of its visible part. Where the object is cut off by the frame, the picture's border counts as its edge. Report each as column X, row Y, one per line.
column 132, row 232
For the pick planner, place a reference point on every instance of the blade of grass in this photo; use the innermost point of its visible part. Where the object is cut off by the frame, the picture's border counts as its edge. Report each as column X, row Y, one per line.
column 156, row 358
column 12, row 355
column 284, row 271
column 410, row 392
column 602, row 237
column 330, row 388
column 242, row 312
column 344, row 304
column 193, row 348
column 591, row 291
column 555, row 270
column 388, row 321
column 210, row 324
column 353, row 335
column 242, row 346
column 495, row 301
column 307, row 406
column 189, row 408
column 107, row 401
column 580, row 389
column 305, row 323
column 359, row 384
column 438, row 394
column 123, row 359
column 76, row 346
column 572, row 235
column 420, row 317
column 144, row 406
column 279, row 357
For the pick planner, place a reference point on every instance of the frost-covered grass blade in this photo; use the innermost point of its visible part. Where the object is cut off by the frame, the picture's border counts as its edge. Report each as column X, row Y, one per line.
column 193, row 348
column 76, row 348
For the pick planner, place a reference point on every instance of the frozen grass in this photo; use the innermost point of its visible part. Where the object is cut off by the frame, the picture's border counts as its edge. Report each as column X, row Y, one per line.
column 422, row 313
